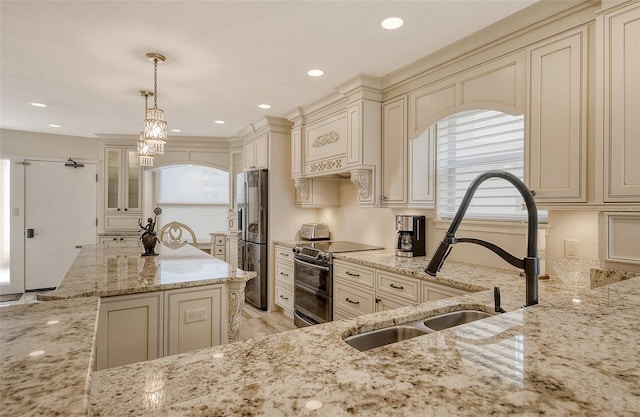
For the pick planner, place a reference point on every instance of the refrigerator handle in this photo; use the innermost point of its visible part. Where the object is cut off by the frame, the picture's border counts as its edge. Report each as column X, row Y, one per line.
column 240, row 219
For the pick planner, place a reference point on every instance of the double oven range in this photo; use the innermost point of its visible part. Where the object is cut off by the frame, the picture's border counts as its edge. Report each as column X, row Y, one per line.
column 313, row 279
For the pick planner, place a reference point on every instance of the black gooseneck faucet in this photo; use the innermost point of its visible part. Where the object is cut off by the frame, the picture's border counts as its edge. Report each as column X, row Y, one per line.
column 530, row 262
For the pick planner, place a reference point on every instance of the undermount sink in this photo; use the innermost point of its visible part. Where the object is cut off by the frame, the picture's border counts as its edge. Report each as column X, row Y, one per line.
column 385, row 336
column 400, row 332
column 456, row 318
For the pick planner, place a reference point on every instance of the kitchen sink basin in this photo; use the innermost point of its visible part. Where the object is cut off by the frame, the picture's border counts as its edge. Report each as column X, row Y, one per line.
column 456, row 318
column 385, row 336
column 400, row 332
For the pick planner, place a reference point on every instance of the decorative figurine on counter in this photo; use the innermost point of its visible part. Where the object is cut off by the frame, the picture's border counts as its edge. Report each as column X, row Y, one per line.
column 148, row 236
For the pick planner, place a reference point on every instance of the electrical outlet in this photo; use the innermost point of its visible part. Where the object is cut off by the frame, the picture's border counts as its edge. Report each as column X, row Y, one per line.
column 570, row 248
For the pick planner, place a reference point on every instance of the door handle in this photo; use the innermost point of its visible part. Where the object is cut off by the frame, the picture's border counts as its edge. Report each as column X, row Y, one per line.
column 30, row 233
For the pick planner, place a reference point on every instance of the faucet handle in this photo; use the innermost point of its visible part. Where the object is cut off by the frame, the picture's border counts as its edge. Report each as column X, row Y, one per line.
column 496, row 300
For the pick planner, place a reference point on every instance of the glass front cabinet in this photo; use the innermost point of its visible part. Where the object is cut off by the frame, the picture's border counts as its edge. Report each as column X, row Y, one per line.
column 123, row 188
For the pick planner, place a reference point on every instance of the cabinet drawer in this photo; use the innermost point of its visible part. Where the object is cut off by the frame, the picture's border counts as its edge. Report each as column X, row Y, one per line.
column 220, row 240
column 284, row 273
column 353, row 274
column 284, row 297
column 342, row 315
column 219, row 250
column 353, row 300
column 284, row 254
column 398, row 286
column 431, row 291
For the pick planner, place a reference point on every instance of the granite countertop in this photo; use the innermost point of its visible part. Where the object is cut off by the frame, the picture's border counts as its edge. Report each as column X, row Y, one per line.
column 47, row 357
column 107, row 271
column 575, row 353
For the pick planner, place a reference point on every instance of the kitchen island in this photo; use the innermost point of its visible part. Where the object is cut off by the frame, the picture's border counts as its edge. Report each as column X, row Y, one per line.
column 575, row 353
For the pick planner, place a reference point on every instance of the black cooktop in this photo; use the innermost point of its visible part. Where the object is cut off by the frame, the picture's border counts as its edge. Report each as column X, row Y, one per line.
column 337, row 246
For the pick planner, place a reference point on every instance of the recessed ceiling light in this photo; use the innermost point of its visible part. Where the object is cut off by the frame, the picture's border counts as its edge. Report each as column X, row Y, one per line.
column 219, row 122
column 38, row 105
column 264, row 106
column 54, row 125
column 176, row 130
column 315, row 73
column 392, row 23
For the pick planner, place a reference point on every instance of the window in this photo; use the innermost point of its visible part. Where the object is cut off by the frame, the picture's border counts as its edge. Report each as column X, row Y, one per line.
column 470, row 143
column 197, row 196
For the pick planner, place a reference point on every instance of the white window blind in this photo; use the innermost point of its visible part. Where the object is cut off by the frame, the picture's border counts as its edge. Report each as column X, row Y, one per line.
column 470, row 143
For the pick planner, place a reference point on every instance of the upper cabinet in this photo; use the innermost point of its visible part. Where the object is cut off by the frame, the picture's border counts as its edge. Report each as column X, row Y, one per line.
column 408, row 174
column 557, row 118
column 123, row 188
column 256, row 153
column 618, row 98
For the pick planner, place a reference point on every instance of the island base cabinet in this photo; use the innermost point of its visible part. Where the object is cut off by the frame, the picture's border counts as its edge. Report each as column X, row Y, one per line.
column 129, row 330
column 194, row 318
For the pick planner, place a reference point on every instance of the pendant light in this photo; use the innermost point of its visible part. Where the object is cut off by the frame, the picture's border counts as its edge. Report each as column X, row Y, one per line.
column 155, row 127
column 145, row 151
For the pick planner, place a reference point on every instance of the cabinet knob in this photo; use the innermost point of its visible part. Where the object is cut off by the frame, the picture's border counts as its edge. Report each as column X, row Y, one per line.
column 126, row 209
column 533, row 193
column 383, row 198
column 118, row 209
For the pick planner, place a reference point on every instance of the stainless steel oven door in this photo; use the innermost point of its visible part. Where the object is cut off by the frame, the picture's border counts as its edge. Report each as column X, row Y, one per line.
column 315, row 276
column 315, row 307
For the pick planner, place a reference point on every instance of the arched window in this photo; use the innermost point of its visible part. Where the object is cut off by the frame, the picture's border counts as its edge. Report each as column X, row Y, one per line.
column 197, row 196
column 472, row 142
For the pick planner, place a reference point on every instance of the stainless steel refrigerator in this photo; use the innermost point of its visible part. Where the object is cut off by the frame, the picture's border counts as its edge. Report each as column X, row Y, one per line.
column 251, row 199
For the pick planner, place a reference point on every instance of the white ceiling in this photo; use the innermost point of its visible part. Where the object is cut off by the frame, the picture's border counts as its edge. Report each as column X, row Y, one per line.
column 86, row 59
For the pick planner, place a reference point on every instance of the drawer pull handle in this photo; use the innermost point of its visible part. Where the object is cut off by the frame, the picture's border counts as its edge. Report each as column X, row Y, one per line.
column 395, row 287
column 284, row 254
column 284, row 274
column 352, row 302
column 283, row 297
column 352, row 274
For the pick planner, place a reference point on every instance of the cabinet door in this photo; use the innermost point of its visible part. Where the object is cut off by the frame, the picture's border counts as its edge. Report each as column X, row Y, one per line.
column 195, row 318
column 557, row 119
column 133, row 185
column 422, row 169
column 232, row 251
column 621, row 98
column 394, row 152
column 261, row 152
column 249, row 156
column 113, row 178
column 129, row 329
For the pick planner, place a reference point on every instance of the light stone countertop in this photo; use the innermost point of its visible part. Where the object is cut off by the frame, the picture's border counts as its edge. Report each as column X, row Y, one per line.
column 102, row 271
column 574, row 354
column 46, row 354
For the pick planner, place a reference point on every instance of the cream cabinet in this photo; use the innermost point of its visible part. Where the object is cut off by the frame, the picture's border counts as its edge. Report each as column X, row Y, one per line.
column 119, row 241
column 256, row 153
column 194, row 318
column 408, row 166
column 284, row 278
column 232, row 249
column 219, row 245
column 359, row 289
column 557, row 118
column 129, row 329
column 122, row 188
column 617, row 121
column 431, row 291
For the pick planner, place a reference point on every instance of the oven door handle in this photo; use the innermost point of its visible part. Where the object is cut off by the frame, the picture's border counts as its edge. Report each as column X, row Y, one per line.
column 320, row 267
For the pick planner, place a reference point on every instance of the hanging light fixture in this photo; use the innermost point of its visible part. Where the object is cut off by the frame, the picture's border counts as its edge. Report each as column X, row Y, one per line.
column 155, row 127
column 146, row 152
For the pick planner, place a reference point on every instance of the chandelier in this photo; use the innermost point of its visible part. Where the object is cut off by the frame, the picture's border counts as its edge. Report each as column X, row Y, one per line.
column 146, row 153
column 155, row 127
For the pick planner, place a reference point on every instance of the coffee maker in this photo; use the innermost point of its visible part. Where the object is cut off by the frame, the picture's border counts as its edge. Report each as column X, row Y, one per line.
column 410, row 240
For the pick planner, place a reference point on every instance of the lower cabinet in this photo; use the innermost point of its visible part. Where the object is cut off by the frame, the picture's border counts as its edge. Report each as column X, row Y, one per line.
column 219, row 245
column 129, row 329
column 193, row 319
column 358, row 290
column 284, row 279
column 119, row 241
column 140, row 327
